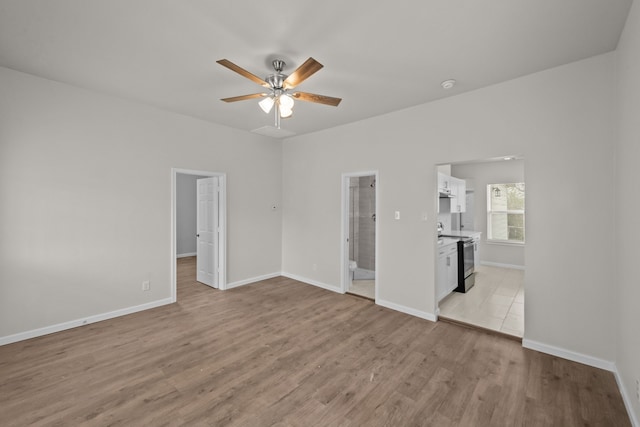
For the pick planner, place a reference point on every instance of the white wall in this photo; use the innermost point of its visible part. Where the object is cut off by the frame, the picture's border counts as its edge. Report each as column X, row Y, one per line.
column 85, row 190
column 186, row 213
column 85, row 198
column 483, row 174
column 560, row 120
column 628, row 207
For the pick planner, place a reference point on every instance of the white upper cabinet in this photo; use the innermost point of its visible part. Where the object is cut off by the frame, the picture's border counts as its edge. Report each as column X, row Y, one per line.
column 462, row 195
column 444, row 183
column 456, row 188
column 459, row 193
column 444, row 186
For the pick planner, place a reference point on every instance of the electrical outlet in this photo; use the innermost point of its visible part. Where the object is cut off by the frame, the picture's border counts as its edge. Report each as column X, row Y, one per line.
column 146, row 285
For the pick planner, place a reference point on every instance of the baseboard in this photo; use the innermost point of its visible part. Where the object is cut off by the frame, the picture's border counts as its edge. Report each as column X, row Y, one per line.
column 81, row 322
column 186, row 255
column 383, row 303
column 498, row 264
column 569, row 355
column 251, row 280
column 407, row 310
column 626, row 399
column 312, row 282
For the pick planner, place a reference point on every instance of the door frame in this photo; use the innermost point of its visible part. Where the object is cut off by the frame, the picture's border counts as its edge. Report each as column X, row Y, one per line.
column 344, row 235
column 222, row 216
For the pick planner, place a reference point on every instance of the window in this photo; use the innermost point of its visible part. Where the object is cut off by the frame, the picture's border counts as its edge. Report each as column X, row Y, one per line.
column 505, row 212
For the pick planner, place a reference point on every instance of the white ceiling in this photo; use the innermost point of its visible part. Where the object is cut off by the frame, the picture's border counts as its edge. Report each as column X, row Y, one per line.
column 378, row 56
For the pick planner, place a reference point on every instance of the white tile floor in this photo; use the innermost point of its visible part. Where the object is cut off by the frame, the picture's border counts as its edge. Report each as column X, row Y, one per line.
column 364, row 288
column 495, row 302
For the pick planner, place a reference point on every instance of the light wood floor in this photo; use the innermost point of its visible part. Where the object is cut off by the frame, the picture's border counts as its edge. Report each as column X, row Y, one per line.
column 283, row 353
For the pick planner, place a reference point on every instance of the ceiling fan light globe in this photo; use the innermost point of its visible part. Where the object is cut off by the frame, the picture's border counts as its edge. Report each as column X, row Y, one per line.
column 266, row 104
column 286, row 102
column 285, row 112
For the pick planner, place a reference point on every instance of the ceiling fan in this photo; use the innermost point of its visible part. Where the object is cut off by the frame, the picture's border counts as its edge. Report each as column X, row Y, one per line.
column 280, row 86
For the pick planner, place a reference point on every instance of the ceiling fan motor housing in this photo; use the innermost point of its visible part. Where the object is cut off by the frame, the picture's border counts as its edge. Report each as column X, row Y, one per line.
column 277, row 80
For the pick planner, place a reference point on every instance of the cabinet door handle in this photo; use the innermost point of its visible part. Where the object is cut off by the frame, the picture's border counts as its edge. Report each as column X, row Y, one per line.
column 448, row 261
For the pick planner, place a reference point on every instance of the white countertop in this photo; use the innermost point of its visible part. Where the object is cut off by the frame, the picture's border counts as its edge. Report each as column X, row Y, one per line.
column 445, row 241
column 463, row 233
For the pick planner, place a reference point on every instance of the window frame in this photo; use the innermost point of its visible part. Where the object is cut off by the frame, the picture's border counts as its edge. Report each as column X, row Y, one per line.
column 491, row 211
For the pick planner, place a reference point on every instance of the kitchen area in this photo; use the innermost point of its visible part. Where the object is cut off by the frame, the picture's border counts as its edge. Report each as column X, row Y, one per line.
column 485, row 292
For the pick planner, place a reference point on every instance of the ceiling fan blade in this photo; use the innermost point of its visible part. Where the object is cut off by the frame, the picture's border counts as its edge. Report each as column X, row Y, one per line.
column 302, row 73
column 243, row 97
column 233, row 67
column 319, row 99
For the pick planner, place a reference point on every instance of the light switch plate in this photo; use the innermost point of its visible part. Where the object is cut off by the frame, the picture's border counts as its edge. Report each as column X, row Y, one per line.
column 397, row 215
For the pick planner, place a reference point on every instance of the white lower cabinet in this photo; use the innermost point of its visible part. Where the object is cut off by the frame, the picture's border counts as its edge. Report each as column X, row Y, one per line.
column 452, row 269
column 447, row 270
column 441, row 276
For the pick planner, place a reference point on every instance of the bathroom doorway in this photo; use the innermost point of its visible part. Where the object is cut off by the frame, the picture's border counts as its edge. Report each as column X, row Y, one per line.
column 359, row 233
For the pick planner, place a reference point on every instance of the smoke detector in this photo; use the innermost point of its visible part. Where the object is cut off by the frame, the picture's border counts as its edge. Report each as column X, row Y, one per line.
column 448, row 84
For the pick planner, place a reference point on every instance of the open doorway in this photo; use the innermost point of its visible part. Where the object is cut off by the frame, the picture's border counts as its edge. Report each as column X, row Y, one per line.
column 481, row 214
column 198, row 226
column 359, row 234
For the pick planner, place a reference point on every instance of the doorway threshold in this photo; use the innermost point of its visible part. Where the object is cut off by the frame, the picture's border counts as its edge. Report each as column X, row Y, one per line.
column 479, row 328
column 360, row 296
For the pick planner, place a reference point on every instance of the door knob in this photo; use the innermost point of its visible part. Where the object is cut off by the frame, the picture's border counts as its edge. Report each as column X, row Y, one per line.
column 197, row 235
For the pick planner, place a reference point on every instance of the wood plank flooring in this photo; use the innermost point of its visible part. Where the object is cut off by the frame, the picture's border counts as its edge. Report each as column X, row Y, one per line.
column 283, row 353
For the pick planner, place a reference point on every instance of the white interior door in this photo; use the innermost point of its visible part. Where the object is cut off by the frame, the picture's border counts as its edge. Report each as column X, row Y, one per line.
column 208, row 228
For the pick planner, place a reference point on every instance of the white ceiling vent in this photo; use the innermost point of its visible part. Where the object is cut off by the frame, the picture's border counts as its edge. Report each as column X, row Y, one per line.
column 273, row 132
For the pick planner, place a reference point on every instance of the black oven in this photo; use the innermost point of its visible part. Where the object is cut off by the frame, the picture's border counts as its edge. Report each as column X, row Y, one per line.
column 466, row 278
